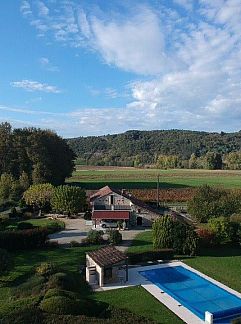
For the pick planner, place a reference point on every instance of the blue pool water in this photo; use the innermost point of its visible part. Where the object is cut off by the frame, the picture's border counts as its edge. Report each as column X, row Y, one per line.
column 195, row 292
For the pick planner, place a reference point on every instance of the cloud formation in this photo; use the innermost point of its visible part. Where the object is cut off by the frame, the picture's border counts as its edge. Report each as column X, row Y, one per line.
column 47, row 65
column 187, row 55
column 30, row 85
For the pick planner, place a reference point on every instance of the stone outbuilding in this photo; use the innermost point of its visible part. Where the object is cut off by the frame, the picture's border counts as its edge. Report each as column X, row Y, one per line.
column 106, row 266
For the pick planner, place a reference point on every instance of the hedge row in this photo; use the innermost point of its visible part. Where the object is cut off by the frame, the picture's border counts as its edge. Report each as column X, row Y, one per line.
column 152, row 255
column 23, row 239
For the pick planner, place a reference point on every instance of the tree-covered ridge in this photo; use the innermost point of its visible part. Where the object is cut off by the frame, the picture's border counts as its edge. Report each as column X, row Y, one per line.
column 144, row 147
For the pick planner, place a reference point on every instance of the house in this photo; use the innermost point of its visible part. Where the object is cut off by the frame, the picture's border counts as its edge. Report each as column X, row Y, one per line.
column 113, row 204
column 106, row 266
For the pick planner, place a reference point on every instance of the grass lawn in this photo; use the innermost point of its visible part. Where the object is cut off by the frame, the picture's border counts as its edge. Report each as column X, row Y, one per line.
column 43, row 222
column 131, row 178
column 139, row 301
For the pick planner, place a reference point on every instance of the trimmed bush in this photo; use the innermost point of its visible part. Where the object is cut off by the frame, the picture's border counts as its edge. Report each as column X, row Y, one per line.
column 163, row 232
column 32, row 287
column 46, row 269
column 61, row 305
column 23, row 239
column 95, row 237
column 152, row 255
column 61, row 280
column 4, row 261
column 60, row 292
column 115, row 237
column 25, row 225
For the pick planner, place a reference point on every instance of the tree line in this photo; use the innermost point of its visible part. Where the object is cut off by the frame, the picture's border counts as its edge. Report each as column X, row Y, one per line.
column 31, row 156
column 164, row 149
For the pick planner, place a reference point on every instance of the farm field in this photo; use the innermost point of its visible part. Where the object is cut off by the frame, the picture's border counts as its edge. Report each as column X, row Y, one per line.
column 89, row 177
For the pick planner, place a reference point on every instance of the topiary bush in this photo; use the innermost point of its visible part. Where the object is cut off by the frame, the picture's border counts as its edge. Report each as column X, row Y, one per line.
column 61, row 305
column 4, row 261
column 46, row 269
column 25, row 225
column 225, row 231
column 34, row 286
column 61, row 280
column 60, row 292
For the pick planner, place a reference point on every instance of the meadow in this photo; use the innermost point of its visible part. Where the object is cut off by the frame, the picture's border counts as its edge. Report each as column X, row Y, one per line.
column 89, row 177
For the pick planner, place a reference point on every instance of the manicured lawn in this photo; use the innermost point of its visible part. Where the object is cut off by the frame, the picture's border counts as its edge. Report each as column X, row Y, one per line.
column 44, row 222
column 131, row 178
column 142, row 242
column 139, row 301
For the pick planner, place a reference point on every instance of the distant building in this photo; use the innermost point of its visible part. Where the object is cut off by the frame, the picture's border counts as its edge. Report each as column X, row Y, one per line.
column 113, row 204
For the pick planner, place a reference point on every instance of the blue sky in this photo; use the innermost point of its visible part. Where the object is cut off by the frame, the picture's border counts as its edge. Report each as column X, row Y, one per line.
column 92, row 67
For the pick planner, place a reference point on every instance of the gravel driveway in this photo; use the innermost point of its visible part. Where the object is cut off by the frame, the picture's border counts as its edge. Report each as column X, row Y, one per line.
column 77, row 230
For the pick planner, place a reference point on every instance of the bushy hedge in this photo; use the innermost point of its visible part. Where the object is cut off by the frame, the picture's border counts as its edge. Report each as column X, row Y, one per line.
column 61, row 280
column 94, row 237
column 23, row 239
column 46, row 269
column 4, row 260
column 152, row 255
column 61, row 305
column 207, row 237
column 225, row 231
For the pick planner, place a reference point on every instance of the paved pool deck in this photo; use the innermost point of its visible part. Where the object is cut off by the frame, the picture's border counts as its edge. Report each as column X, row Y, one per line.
column 135, row 279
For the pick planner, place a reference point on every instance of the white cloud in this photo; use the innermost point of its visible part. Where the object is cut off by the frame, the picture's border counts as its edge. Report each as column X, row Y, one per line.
column 191, row 58
column 30, row 85
column 47, row 65
column 25, row 9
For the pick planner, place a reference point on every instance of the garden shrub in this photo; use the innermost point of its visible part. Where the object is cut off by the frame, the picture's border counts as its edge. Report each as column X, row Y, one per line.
column 32, row 287
column 4, row 261
column 62, row 280
column 115, row 237
column 46, row 269
column 56, row 226
column 25, row 225
column 23, row 239
column 225, row 230
column 74, row 244
column 95, row 237
column 25, row 314
column 169, row 233
column 60, row 292
column 207, row 237
column 61, row 305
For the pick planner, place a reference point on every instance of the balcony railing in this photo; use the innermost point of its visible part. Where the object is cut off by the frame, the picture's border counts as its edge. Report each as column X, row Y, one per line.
column 112, row 207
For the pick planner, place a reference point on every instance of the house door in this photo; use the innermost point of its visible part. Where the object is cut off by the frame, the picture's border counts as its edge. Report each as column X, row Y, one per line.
column 139, row 221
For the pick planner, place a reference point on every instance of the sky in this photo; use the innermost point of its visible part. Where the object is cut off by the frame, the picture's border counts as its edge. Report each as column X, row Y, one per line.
column 95, row 67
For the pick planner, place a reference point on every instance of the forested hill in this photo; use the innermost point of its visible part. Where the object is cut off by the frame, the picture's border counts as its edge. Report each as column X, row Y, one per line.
column 143, row 147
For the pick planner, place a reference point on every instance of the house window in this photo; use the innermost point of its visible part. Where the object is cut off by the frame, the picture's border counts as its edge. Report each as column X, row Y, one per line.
column 112, row 199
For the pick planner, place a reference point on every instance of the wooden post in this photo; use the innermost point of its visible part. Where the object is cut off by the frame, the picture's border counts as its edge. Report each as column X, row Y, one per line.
column 157, row 198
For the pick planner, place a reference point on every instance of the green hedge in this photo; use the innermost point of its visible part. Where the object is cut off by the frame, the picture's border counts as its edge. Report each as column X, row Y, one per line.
column 62, row 305
column 23, row 239
column 152, row 255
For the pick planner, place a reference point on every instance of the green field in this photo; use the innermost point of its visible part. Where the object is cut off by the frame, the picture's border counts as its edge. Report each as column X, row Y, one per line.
column 131, row 178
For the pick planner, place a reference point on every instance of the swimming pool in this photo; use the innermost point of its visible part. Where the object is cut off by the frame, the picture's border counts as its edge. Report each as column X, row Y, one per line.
column 195, row 292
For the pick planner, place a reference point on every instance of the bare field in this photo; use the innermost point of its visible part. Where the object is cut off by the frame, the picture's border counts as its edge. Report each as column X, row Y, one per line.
column 91, row 177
